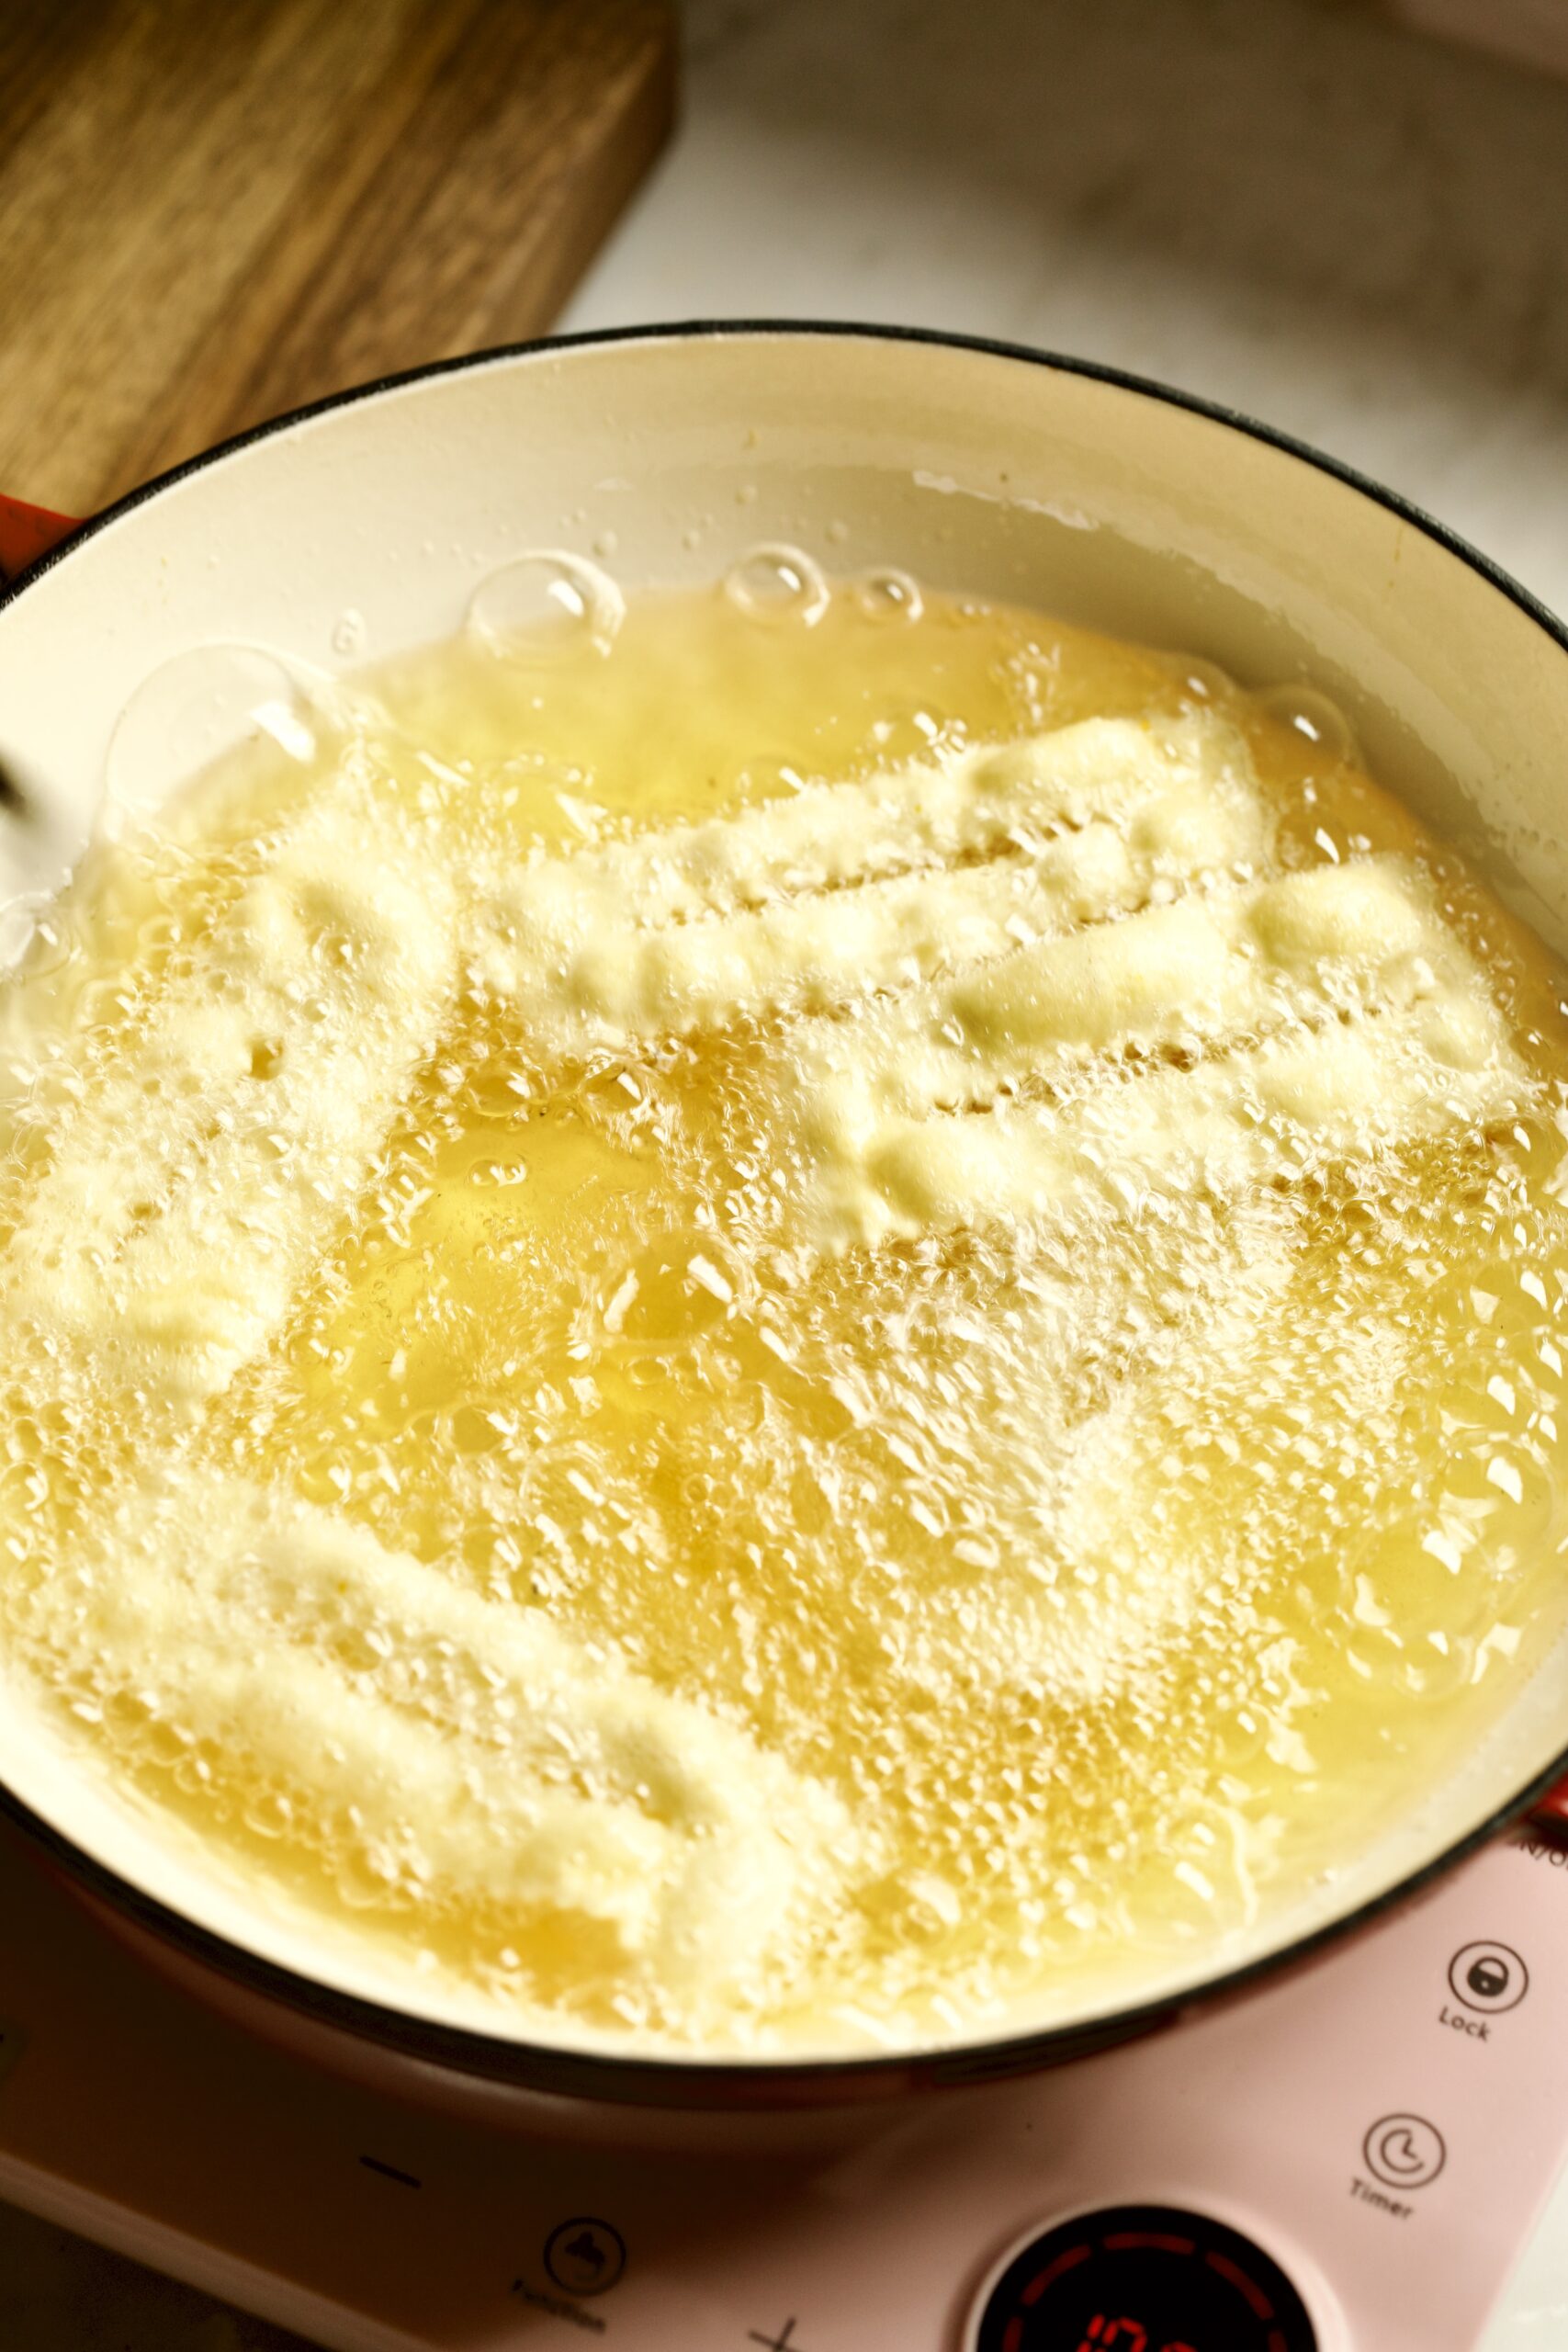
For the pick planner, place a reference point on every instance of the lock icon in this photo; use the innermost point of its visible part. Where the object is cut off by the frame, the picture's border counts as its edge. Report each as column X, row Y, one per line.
column 1488, row 1976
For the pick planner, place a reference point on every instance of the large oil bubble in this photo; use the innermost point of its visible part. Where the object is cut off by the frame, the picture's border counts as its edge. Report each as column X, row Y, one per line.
column 196, row 708
column 1314, row 715
column 549, row 606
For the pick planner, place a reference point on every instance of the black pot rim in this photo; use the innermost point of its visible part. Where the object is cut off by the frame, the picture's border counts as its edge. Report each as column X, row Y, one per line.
column 695, row 2083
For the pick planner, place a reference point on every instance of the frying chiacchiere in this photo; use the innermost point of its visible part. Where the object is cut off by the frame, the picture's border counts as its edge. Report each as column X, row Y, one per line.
column 801, row 1420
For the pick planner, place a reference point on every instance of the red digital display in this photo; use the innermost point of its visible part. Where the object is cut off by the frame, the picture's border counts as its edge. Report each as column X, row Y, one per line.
column 1126, row 2335
column 1144, row 2278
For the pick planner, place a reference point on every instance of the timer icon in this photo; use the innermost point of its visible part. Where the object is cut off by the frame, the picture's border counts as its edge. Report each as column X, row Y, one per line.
column 1405, row 2151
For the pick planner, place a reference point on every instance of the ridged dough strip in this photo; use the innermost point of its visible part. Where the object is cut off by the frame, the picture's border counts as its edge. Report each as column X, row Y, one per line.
column 1232, row 964
column 844, row 890
column 1270, row 1112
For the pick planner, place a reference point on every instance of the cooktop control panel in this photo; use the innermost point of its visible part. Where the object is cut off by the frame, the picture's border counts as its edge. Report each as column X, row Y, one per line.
column 1349, row 2159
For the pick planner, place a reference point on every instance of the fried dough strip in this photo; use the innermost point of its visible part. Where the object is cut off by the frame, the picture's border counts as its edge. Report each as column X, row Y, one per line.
column 189, row 1190
column 1273, row 1110
column 1233, row 964
column 842, row 891
column 463, row 1749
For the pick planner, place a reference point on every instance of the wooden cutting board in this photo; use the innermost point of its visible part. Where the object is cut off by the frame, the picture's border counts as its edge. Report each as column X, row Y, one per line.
column 212, row 213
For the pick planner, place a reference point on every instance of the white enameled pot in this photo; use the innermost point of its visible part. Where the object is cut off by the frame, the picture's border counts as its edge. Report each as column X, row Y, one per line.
column 976, row 467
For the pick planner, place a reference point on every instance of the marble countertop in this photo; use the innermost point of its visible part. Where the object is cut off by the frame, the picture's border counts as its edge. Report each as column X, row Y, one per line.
column 1285, row 205
column 1289, row 206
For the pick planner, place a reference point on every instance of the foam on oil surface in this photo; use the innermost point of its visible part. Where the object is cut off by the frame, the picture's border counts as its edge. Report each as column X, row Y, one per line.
column 783, row 1325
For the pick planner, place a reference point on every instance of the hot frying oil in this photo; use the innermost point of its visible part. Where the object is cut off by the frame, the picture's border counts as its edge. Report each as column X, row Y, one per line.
column 785, row 1318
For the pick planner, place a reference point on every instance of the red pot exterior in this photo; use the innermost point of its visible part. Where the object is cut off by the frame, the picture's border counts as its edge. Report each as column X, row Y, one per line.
column 27, row 532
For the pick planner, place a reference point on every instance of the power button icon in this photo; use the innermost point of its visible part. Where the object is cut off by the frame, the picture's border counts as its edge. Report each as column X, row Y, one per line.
column 1489, row 1977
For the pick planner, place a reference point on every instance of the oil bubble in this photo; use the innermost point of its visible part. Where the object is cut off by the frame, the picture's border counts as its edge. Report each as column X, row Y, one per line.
column 1315, row 715
column 672, row 1292
column 499, row 1091
column 624, row 1094
column 349, row 635
column 269, row 1813
column 889, row 596
column 191, row 710
column 777, row 584
column 499, row 1173
column 478, row 1429
column 1205, row 682
column 546, row 606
